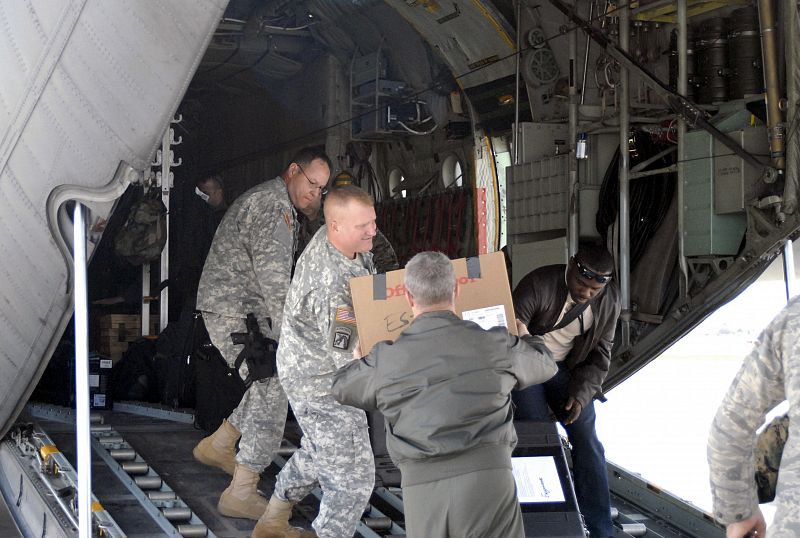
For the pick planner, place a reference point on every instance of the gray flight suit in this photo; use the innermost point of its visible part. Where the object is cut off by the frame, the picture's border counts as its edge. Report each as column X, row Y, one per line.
column 317, row 337
column 248, row 269
column 769, row 375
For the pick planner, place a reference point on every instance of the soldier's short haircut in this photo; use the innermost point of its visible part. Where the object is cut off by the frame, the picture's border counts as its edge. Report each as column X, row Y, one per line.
column 430, row 278
column 307, row 155
column 341, row 195
column 596, row 257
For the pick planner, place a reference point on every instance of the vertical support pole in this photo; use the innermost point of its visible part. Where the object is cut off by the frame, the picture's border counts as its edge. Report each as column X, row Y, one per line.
column 146, row 268
column 517, row 58
column 572, row 226
column 145, row 328
column 82, row 430
column 165, row 183
column 586, row 52
column 683, row 88
column 788, row 270
column 624, row 193
column 165, row 180
column 792, row 54
column 769, row 55
column 480, row 203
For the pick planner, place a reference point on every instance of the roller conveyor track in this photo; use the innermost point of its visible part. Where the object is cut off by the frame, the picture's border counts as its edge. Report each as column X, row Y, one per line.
column 172, row 515
column 43, row 502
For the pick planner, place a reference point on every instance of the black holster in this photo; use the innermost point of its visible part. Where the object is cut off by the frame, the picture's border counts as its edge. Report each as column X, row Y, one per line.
column 259, row 352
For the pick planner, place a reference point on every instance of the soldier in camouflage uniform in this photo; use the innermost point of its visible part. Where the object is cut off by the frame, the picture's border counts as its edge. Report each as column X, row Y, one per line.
column 317, row 337
column 769, row 375
column 248, row 270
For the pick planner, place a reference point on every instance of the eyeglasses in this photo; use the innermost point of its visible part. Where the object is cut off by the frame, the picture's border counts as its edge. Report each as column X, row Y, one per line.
column 322, row 189
column 588, row 274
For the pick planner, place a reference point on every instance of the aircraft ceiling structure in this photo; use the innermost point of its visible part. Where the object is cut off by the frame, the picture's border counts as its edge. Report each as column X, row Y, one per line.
column 263, row 42
column 87, row 84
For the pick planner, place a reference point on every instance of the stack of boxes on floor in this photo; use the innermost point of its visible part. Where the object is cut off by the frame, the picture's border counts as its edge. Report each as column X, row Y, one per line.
column 117, row 331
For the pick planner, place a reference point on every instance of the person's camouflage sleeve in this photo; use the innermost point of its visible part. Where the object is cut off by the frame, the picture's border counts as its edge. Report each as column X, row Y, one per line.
column 319, row 330
column 769, row 375
column 383, row 255
column 249, row 266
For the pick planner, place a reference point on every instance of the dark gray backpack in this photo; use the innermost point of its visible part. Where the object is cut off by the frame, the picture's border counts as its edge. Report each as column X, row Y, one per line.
column 143, row 236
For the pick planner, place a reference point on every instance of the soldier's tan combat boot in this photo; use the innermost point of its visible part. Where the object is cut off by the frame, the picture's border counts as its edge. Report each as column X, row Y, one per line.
column 219, row 448
column 241, row 498
column 274, row 523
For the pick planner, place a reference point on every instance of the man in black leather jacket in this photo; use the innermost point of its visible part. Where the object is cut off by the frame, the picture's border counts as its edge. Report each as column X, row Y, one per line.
column 575, row 308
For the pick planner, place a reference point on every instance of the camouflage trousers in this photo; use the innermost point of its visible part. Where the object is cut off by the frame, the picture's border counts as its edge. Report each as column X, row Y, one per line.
column 261, row 414
column 335, row 453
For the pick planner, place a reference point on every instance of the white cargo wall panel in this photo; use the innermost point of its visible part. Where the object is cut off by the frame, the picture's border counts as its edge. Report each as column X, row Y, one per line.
column 538, row 195
column 86, row 84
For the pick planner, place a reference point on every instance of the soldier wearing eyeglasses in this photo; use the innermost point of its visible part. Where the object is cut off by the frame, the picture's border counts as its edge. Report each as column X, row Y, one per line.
column 575, row 308
column 248, row 270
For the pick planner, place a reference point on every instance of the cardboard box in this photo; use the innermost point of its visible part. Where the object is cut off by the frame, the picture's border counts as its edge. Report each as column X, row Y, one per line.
column 382, row 311
column 118, row 330
column 126, row 325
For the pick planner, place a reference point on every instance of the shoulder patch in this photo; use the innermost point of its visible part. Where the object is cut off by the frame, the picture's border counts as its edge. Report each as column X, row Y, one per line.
column 343, row 329
column 341, row 337
column 345, row 315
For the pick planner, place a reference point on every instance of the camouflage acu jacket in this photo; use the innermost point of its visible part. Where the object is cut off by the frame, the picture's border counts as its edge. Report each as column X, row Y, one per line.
column 769, row 375
column 319, row 332
column 249, row 265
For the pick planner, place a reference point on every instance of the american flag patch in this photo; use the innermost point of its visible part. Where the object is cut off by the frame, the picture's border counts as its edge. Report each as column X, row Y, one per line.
column 345, row 315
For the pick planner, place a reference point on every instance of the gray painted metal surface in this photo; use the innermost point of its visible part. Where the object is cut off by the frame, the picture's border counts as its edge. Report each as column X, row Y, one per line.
column 163, row 412
column 662, row 512
column 8, row 527
column 86, row 84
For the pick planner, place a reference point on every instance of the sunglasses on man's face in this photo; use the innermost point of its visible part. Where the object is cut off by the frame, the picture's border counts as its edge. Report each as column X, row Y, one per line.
column 588, row 274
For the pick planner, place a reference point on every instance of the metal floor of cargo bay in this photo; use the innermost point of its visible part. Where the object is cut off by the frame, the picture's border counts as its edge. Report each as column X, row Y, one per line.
column 163, row 440
column 167, row 447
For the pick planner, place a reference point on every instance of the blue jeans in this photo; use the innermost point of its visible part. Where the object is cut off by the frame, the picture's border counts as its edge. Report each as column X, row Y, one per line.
column 588, row 455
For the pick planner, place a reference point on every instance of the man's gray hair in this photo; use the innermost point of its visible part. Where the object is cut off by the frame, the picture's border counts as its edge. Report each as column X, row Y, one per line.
column 430, row 278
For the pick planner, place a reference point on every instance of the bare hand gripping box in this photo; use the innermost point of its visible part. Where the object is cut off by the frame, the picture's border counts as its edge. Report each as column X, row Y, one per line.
column 485, row 298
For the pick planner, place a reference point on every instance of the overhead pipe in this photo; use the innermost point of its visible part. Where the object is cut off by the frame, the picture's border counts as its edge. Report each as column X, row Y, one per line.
column 769, row 55
column 624, row 191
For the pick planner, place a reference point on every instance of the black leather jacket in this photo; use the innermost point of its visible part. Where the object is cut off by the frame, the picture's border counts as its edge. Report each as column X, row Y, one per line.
column 538, row 300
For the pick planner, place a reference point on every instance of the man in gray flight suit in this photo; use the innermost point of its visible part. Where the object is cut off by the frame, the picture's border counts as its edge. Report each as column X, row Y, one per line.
column 448, row 408
column 317, row 337
column 248, row 270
